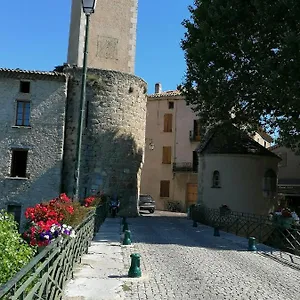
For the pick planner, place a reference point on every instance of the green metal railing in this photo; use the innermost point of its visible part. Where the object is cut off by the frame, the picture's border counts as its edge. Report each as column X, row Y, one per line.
column 245, row 224
column 44, row 277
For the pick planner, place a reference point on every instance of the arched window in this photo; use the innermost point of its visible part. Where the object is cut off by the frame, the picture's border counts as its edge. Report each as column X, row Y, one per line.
column 216, row 180
column 270, row 183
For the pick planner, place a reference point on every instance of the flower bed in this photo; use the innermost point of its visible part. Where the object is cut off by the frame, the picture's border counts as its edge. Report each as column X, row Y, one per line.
column 48, row 220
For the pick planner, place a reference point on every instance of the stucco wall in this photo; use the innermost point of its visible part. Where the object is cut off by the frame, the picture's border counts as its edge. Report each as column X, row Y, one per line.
column 112, row 35
column 241, row 182
column 113, row 145
column 153, row 170
column 184, row 124
column 43, row 139
column 258, row 138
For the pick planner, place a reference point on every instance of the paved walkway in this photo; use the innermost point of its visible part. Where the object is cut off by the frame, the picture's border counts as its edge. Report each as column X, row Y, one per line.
column 179, row 261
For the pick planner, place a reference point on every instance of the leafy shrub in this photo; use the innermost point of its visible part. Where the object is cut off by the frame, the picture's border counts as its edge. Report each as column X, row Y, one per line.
column 15, row 253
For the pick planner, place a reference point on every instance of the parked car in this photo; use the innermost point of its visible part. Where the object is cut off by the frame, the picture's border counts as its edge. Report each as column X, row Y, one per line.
column 146, row 202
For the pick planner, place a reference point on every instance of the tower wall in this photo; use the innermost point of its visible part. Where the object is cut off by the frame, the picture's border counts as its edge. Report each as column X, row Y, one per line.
column 114, row 138
column 112, row 35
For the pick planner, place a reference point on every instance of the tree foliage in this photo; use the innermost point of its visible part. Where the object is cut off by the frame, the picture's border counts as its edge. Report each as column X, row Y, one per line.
column 243, row 64
column 15, row 253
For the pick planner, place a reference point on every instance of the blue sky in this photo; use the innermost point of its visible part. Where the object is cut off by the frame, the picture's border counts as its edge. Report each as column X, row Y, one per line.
column 34, row 35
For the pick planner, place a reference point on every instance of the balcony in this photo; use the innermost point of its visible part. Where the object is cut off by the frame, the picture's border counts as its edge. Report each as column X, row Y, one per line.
column 185, row 167
column 194, row 136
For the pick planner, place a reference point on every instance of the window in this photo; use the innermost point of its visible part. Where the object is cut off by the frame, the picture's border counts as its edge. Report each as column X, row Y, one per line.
column 168, row 122
column 270, row 183
column 24, row 87
column 23, row 113
column 196, row 130
column 216, row 182
column 165, row 188
column 265, row 144
column 15, row 210
column 166, row 155
column 19, row 163
column 171, row 104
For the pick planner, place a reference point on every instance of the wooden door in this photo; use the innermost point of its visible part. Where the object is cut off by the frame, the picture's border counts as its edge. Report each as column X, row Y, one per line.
column 191, row 194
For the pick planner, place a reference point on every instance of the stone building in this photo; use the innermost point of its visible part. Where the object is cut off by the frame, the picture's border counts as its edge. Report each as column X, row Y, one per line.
column 40, row 113
column 32, row 122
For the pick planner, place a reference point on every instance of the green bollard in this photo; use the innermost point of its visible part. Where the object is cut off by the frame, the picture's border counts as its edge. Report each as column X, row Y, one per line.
column 252, row 244
column 135, row 270
column 127, row 239
column 125, row 227
column 216, row 231
column 195, row 224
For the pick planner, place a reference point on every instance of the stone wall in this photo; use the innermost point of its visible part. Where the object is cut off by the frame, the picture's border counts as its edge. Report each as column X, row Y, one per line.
column 114, row 137
column 43, row 139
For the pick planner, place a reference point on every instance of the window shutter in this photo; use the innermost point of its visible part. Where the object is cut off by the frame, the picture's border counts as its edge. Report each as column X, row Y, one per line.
column 166, row 159
column 168, row 122
column 165, row 188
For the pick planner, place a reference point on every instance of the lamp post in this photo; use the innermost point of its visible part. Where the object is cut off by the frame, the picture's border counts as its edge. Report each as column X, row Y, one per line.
column 88, row 7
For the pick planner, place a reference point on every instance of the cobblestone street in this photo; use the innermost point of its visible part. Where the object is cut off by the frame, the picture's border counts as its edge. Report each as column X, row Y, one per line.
column 179, row 261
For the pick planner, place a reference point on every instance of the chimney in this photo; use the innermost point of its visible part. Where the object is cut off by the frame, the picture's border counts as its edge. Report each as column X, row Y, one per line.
column 158, row 88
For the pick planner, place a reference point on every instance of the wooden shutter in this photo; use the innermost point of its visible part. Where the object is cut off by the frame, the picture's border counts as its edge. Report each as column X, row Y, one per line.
column 197, row 130
column 165, row 188
column 166, row 155
column 168, row 122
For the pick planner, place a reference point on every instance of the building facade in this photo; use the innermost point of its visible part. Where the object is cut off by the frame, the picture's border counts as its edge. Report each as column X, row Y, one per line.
column 32, row 120
column 171, row 161
column 236, row 171
column 288, row 175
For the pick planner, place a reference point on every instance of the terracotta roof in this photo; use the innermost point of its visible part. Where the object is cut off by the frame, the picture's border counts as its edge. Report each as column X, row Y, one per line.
column 227, row 139
column 19, row 73
column 165, row 94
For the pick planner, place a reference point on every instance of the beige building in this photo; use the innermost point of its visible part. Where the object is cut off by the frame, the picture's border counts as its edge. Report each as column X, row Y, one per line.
column 288, row 175
column 236, row 171
column 170, row 169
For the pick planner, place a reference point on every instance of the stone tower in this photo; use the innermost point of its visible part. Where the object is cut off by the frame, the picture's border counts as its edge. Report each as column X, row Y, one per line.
column 112, row 35
column 115, row 112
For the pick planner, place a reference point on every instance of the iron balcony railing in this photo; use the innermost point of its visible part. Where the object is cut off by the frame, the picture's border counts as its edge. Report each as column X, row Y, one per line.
column 184, row 167
column 263, row 228
column 194, row 136
column 45, row 276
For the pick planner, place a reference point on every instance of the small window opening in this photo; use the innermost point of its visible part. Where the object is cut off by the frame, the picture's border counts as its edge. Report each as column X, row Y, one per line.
column 216, row 182
column 171, row 105
column 19, row 163
column 24, row 87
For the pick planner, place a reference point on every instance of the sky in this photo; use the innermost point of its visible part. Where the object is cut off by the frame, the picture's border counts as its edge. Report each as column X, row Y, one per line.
column 34, row 36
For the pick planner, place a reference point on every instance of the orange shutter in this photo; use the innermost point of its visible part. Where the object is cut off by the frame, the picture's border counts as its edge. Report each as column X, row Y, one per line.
column 168, row 122
column 165, row 188
column 167, row 153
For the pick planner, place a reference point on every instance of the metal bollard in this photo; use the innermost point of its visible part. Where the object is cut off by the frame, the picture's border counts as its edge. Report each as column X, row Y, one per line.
column 252, row 244
column 195, row 224
column 127, row 238
column 135, row 269
column 216, row 231
column 125, row 227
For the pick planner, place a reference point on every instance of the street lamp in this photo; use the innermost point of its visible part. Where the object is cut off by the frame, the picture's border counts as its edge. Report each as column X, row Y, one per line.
column 88, row 7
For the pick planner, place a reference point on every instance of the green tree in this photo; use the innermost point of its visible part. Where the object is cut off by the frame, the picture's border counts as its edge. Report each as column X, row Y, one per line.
column 15, row 253
column 243, row 64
